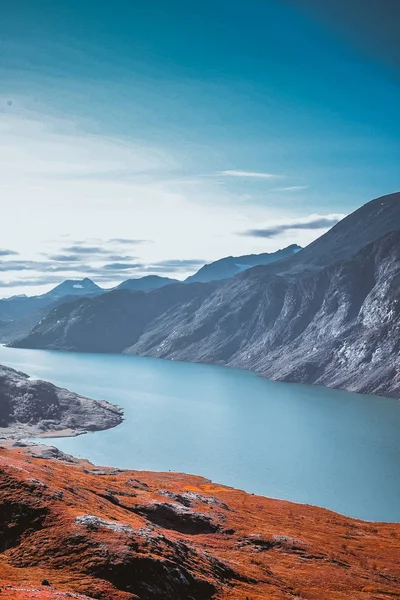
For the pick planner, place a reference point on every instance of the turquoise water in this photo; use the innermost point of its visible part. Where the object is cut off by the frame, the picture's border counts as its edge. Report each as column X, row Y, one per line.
column 301, row 443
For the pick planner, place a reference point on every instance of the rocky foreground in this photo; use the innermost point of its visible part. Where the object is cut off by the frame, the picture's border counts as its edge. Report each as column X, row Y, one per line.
column 33, row 408
column 72, row 530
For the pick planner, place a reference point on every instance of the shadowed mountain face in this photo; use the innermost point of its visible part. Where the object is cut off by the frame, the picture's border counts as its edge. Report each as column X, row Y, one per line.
column 111, row 322
column 232, row 265
column 329, row 315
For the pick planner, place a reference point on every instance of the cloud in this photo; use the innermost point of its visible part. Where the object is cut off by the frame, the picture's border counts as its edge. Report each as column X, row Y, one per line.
column 32, row 282
column 63, row 257
column 118, row 257
column 290, row 188
column 312, row 222
column 38, row 266
column 177, row 263
column 4, row 252
column 127, row 241
column 249, row 174
column 120, row 266
column 85, row 250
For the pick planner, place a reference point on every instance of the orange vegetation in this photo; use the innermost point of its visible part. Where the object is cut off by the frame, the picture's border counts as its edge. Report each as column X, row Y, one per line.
column 72, row 530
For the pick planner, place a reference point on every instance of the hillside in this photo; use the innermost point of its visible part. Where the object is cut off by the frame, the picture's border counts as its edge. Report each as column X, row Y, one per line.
column 338, row 327
column 73, row 530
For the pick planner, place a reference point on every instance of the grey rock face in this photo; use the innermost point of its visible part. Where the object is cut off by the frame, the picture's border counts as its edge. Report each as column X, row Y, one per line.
column 338, row 327
column 29, row 408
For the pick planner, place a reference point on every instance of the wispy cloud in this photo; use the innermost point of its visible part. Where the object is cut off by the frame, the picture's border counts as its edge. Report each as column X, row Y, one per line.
column 249, row 174
column 180, row 263
column 4, row 252
column 121, row 266
column 128, row 241
column 85, row 250
column 64, row 258
column 32, row 282
column 311, row 222
column 290, row 188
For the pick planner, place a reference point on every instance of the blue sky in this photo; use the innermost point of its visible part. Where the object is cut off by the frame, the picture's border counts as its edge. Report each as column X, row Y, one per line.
column 178, row 125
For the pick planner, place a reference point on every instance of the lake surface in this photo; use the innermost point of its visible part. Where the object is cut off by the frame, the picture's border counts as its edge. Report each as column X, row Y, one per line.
column 300, row 443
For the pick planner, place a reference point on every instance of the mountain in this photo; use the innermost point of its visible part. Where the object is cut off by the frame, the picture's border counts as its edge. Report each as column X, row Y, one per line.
column 145, row 284
column 110, row 322
column 73, row 287
column 70, row 529
column 373, row 220
column 18, row 314
column 232, row 265
column 327, row 315
column 339, row 326
column 17, row 306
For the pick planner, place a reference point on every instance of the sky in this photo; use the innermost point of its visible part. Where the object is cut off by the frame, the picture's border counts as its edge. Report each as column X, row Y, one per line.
column 151, row 137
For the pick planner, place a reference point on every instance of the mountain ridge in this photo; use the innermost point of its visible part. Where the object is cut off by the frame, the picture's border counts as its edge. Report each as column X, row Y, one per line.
column 269, row 318
column 230, row 266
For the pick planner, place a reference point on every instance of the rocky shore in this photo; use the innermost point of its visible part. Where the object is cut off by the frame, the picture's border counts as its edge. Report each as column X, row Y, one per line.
column 34, row 408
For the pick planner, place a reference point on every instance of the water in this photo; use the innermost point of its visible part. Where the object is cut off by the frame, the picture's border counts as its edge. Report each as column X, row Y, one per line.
column 301, row 443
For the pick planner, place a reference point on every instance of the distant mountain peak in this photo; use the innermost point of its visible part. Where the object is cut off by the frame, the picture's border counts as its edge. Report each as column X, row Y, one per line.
column 73, row 287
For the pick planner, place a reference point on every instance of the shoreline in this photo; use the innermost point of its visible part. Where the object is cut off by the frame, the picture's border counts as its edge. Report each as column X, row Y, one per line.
column 38, row 408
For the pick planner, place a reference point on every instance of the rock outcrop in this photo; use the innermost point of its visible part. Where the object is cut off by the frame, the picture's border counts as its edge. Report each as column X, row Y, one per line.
column 33, row 407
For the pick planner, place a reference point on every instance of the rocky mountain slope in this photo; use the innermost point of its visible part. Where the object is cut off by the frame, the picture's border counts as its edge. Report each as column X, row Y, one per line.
column 31, row 407
column 338, row 326
column 329, row 315
column 73, row 530
column 232, row 265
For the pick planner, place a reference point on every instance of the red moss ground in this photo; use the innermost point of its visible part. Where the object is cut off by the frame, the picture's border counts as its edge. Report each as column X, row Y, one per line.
column 121, row 535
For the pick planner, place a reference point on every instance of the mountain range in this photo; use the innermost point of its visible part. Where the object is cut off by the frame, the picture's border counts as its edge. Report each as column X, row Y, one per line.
column 18, row 314
column 329, row 314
